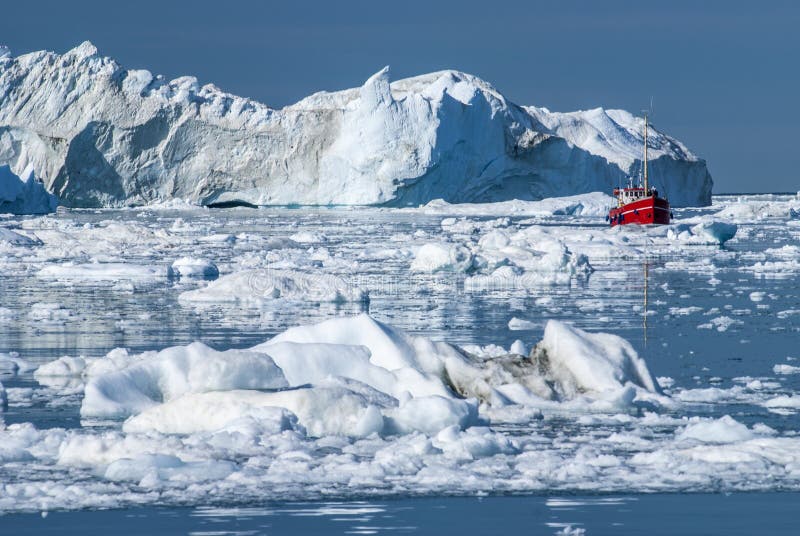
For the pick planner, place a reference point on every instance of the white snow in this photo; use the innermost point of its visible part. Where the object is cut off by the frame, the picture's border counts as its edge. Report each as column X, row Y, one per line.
column 444, row 135
column 325, row 409
column 164, row 376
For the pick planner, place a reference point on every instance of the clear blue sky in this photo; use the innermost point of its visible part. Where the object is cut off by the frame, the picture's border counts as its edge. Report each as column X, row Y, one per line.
column 725, row 75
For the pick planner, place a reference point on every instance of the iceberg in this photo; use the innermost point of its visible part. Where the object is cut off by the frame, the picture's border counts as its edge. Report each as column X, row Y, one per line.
column 100, row 135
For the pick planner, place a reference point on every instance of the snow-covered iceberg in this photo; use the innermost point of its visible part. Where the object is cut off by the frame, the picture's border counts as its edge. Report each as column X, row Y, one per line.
column 101, row 135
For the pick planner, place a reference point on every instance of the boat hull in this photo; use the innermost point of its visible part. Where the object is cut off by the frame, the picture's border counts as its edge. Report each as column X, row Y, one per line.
column 650, row 210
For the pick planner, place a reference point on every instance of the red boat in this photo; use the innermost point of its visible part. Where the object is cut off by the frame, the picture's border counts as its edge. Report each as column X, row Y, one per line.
column 641, row 204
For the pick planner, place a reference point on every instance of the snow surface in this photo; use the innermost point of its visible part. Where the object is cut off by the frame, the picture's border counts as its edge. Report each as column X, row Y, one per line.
column 128, row 137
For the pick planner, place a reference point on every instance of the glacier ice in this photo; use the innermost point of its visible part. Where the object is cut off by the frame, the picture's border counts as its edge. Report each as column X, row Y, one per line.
column 101, row 135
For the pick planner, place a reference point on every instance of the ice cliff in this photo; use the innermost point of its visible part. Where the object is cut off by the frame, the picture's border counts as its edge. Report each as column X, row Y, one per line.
column 101, row 135
column 23, row 194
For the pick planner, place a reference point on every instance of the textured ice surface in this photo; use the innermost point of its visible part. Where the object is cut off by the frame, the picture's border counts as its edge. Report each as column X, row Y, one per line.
column 256, row 286
column 130, row 137
column 193, row 267
column 435, row 390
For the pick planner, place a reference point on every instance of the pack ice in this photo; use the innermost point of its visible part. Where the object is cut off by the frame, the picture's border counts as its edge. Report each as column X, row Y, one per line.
column 102, row 135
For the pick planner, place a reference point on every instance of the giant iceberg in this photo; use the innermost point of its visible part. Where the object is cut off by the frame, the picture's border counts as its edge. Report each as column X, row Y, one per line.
column 101, row 135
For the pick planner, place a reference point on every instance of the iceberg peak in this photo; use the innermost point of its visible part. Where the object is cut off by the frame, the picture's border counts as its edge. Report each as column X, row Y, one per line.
column 376, row 91
column 83, row 51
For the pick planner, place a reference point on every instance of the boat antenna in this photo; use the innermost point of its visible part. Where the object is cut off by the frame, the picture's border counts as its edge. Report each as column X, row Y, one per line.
column 647, row 112
column 644, row 162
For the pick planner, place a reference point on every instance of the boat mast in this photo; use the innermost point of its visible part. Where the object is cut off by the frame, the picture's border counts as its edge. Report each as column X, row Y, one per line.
column 644, row 316
column 646, row 186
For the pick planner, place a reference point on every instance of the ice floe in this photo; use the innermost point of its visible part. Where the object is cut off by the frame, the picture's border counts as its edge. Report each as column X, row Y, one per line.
column 262, row 285
column 193, row 267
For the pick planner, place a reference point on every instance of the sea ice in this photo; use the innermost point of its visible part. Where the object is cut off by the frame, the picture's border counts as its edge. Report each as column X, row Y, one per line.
column 723, row 430
column 436, row 257
column 101, row 271
column 193, row 267
column 161, row 377
column 263, row 285
column 783, row 368
column 376, row 379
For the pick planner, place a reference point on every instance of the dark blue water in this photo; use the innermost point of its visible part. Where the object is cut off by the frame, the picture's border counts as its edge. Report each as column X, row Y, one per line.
column 742, row 514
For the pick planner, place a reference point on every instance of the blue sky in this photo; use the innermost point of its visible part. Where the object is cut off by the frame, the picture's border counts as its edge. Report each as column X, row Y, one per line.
column 723, row 74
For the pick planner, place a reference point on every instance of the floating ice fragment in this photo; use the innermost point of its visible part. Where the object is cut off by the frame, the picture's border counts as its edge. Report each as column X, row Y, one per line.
column 193, row 267
column 723, row 430
column 437, row 257
column 258, row 286
column 582, row 362
column 783, row 368
column 519, row 324
column 110, row 271
column 16, row 239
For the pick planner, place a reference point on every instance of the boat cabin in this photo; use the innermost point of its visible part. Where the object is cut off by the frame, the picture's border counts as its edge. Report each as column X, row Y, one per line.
column 630, row 195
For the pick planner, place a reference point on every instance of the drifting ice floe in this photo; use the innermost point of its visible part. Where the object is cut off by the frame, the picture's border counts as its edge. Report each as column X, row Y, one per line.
column 263, row 285
column 352, row 376
column 193, row 267
column 102, row 271
column 447, row 135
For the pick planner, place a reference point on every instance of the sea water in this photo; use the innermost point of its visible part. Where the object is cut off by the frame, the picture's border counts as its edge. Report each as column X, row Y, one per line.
column 716, row 324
